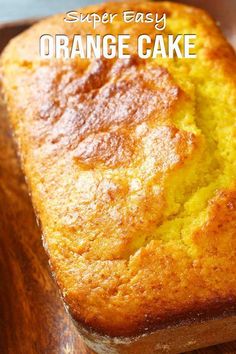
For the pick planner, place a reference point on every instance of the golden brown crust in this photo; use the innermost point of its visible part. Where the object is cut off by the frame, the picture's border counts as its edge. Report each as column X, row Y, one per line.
column 131, row 165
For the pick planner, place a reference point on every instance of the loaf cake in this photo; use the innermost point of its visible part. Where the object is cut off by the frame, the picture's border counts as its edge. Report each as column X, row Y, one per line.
column 131, row 165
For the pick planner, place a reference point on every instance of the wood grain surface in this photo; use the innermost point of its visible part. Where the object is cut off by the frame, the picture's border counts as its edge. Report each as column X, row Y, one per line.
column 32, row 316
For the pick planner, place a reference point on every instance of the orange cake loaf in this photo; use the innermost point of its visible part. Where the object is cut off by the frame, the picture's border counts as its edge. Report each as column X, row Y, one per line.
column 131, row 165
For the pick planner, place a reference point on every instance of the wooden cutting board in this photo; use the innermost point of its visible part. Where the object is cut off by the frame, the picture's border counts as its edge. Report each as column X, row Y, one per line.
column 32, row 316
